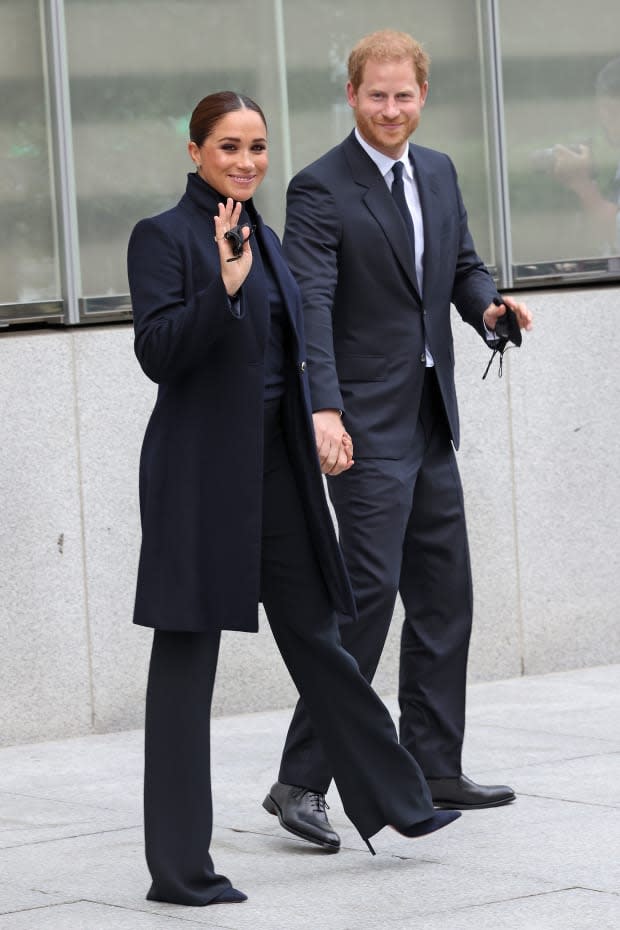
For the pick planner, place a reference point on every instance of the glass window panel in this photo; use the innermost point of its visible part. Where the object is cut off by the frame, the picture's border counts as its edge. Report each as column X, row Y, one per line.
column 563, row 138
column 137, row 69
column 319, row 37
column 28, row 242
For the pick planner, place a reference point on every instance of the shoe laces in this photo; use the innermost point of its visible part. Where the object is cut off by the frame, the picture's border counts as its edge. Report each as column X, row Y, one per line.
column 318, row 802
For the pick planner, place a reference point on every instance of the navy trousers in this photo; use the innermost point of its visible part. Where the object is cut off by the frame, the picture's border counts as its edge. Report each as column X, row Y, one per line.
column 402, row 529
column 379, row 782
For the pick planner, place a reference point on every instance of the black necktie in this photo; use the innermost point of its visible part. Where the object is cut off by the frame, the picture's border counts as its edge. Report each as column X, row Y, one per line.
column 398, row 193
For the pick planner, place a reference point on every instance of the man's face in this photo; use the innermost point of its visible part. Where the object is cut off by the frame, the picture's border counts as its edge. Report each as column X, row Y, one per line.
column 387, row 105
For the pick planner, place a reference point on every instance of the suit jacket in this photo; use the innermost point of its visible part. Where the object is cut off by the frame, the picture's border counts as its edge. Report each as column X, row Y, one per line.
column 366, row 324
column 201, row 462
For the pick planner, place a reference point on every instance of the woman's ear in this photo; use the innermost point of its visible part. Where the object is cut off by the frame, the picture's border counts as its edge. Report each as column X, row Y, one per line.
column 194, row 153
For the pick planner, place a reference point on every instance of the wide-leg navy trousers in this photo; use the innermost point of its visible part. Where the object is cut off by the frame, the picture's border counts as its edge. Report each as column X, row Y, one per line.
column 379, row 782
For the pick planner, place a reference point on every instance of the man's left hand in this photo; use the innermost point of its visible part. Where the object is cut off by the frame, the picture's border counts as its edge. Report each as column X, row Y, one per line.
column 493, row 313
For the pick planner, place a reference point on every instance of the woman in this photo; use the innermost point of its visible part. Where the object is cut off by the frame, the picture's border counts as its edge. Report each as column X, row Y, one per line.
column 233, row 509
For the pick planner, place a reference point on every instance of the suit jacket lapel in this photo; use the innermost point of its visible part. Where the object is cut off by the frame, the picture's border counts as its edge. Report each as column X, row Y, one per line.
column 380, row 203
column 428, row 189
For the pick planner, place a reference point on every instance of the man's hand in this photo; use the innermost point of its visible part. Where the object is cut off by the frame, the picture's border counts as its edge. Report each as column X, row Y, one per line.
column 493, row 313
column 333, row 443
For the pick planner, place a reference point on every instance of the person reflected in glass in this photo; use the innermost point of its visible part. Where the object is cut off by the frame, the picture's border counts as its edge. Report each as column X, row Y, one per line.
column 233, row 512
column 575, row 166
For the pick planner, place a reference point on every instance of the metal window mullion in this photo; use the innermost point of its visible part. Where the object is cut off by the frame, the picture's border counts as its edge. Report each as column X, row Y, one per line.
column 66, row 200
column 498, row 145
column 287, row 160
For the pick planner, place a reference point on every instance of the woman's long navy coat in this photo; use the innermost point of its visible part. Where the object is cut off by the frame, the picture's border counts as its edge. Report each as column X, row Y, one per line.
column 201, row 463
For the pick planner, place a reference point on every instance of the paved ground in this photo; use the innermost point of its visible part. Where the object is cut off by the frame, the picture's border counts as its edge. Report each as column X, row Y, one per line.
column 71, row 839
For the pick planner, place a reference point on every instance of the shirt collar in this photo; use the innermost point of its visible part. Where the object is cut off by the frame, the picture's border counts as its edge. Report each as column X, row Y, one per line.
column 384, row 162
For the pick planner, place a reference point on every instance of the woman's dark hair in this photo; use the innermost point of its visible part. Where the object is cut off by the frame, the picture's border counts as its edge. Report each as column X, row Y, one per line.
column 212, row 108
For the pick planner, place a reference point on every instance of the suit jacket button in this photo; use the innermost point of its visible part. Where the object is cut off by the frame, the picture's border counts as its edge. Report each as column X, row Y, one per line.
column 423, row 358
column 302, row 367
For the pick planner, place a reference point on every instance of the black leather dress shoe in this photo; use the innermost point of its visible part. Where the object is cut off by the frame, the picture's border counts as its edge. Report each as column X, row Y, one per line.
column 302, row 812
column 462, row 794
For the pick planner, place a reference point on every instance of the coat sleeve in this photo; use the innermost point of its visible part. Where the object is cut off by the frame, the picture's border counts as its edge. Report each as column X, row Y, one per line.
column 474, row 288
column 173, row 324
column 311, row 241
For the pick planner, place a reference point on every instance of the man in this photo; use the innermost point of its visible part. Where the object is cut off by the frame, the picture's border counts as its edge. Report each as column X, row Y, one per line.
column 377, row 297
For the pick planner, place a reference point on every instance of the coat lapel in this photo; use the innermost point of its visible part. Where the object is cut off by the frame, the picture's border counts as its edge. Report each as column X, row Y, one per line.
column 282, row 274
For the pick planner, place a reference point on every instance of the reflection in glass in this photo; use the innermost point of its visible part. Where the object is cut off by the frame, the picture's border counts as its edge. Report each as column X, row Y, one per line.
column 583, row 169
column 137, row 69
column 562, row 115
column 28, row 245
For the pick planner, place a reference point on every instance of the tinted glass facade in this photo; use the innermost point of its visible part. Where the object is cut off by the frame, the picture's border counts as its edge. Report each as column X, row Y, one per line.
column 97, row 95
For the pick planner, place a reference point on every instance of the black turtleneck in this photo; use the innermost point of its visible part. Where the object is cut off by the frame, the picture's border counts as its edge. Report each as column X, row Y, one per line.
column 206, row 197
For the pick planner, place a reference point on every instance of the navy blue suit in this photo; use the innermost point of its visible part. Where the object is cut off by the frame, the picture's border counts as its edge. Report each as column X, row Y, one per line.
column 233, row 511
column 400, row 508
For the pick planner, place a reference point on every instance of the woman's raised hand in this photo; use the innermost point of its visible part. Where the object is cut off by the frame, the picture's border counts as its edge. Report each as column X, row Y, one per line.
column 233, row 272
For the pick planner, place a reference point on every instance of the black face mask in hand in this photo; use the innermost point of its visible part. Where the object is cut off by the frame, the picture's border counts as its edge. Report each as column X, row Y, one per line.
column 506, row 330
column 236, row 238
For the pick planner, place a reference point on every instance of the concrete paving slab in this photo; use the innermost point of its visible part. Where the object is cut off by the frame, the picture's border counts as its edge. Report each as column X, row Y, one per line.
column 84, row 915
column 82, row 867
column 570, row 909
column 584, row 703
column 14, row 897
column 508, row 749
column 572, row 844
column 96, row 770
column 589, row 779
column 25, row 820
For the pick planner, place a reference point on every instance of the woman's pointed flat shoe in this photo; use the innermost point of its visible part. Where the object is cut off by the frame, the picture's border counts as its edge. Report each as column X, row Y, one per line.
column 436, row 822
column 229, row 896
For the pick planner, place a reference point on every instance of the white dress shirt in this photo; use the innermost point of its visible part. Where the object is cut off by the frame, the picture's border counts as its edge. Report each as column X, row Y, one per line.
column 384, row 164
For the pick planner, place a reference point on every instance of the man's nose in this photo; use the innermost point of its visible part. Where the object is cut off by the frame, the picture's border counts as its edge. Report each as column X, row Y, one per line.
column 391, row 108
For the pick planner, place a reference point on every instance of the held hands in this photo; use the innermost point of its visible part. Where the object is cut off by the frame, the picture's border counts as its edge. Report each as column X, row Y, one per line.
column 233, row 273
column 492, row 314
column 333, row 443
